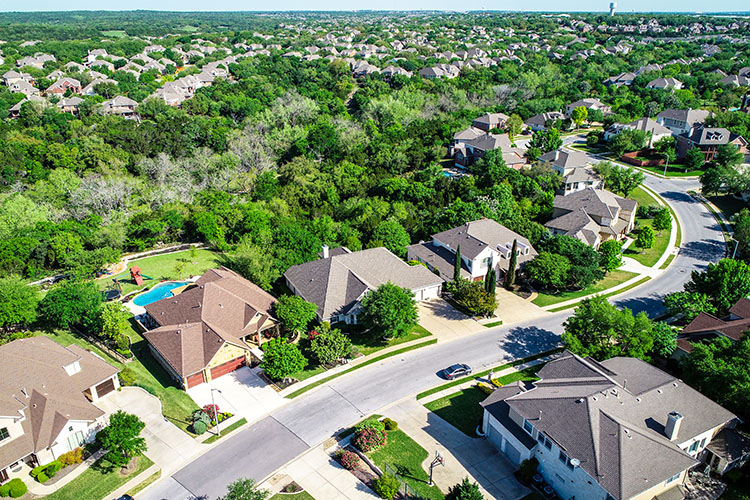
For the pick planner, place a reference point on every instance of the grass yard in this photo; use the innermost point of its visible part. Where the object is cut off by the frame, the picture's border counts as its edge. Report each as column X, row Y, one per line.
column 302, row 495
column 171, row 266
column 606, row 295
column 642, row 197
column 98, row 481
column 403, row 454
column 114, row 33
column 649, row 256
column 673, row 171
column 146, row 482
column 225, row 431
column 612, row 279
column 177, row 406
column 461, row 409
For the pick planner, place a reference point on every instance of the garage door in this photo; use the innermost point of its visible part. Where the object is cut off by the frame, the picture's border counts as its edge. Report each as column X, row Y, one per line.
column 105, row 387
column 229, row 366
column 195, row 379
column 495, row 437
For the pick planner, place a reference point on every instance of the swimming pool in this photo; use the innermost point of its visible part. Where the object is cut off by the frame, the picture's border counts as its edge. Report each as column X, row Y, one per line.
column 160, row 291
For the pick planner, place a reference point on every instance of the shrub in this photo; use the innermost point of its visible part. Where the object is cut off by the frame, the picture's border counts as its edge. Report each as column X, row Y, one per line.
column 14, row 488
column 369, row 435
column 42, row 477
column 199, row 427
column 212, row 411
column 201, row 416
column 349, row 460
column 4, row 490
column 72, row 457
column 390, row 425
column 126, row 376
column 387, row 486
column 36, row 470
column 485, row 388
column 527, row 469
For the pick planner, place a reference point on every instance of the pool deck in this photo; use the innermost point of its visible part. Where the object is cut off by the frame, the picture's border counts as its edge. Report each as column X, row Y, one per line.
column 137, row 310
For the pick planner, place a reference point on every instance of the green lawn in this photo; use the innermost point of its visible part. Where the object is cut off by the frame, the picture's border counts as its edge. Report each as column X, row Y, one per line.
column 146, row 482
column 226, row 431
column 612, row 279
column 302, row 495
column 177, row 265
column 643, row 198
column 649, row 256
column 98, row 481
column 403, row 454
column 114, row 33
column 461, row 409
column 673, row 171
column 177, row 406
column 606, row 295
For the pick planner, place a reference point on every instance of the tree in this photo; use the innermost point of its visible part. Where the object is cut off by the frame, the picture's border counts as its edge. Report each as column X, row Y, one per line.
column 70, row 303
column 620, row 180
column 114, row 320
column 466, row 489
column 688, row 304
column 244, row 489
column 583, row 260
column 724, row 283
column 579, row 115
column 665, row 339
column 122, row 437
column 666, row 146
column 457, row 264
column 546, row 140
column 387, row 486
column 628, row 140
column 694, row 159
column 281, row 359
column 514, row 125
column 549, row 271
column 610, row 255
column 329, row 345
column 295, row 313
column 728, row 156
column 601, row 330
column 510, row 276
column 391, row 309
column 645, row 238
column 392, row 236
column 720, row 369
column 662, row 219
column 742, row 233
column 474, row 297
column 18, row 302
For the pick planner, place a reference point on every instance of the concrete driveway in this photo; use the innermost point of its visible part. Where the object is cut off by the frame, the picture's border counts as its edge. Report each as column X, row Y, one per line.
column 243, row 392
column 513, row 309
column 168, row 446
column 445, row 322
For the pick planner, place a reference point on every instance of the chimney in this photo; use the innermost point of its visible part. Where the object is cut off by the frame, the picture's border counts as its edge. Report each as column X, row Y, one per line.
column 672, row 428
column 325, row 251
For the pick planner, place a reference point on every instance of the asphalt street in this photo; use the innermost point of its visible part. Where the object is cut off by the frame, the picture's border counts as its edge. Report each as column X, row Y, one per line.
column 314, row 417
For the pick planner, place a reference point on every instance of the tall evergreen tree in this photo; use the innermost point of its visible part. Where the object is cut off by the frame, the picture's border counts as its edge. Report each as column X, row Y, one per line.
column 490, row 282
column 510, row 276
column 457, row 264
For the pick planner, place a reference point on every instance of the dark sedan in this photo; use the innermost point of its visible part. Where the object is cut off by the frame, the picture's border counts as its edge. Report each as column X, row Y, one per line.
column 457, row 370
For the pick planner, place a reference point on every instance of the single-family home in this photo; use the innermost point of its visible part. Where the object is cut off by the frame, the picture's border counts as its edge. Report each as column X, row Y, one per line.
column 616, row 429
column 736, row 80
column 391, row 71
column 120, row 105
column 90, row 89
column 466, row 149
column 338, row 281
column 619, row 80
column 23, row 87
column 15, row 110
column 574, row 169
column 708, row 140
column 10, row 77
column 490, row 121
column 664, row 83
column 48, row 396
column 681, row 121
column 653, row 130
column 592, row 216
column 70, row 105
column 210, row 328
column 542, row 120
column 588, row 103
column 484, row 243
column 63, row 85
column 706, row 326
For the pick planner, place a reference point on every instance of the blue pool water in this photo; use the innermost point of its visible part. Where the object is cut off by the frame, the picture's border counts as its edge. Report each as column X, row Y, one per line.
column 160, row 291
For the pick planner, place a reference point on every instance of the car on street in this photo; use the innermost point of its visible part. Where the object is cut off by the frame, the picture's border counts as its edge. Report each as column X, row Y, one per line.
column 457, row 370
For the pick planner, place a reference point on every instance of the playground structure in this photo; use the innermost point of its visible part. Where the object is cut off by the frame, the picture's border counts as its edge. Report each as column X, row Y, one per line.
column 137, row 277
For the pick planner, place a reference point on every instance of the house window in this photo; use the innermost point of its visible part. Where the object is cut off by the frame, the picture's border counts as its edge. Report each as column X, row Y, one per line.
column 563, row 457
column 527, row 426
column 693, row 447
column 4, row 434
column 548, row 444
column 674, row 478
column 75, row 440
column 540, row 438
column 703, row 443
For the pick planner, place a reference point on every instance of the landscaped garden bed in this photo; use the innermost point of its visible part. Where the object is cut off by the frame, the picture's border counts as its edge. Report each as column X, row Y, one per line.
column 99, row 480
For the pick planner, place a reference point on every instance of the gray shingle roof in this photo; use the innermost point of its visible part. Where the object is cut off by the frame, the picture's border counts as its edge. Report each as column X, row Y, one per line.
column 477, row 235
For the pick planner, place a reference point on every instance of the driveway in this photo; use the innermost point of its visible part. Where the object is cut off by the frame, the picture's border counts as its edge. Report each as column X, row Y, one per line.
column 513, row 309
column 242, row 392
column 168, row 446
column 445, row 322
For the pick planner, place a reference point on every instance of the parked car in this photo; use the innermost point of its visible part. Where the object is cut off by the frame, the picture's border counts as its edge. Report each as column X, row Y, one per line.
column 457, row 370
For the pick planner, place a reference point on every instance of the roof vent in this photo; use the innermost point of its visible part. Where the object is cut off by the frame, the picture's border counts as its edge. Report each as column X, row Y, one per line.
column 637, row 400
column 659, row 391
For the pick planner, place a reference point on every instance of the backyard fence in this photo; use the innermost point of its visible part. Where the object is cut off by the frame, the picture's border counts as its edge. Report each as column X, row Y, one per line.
column 405, row 490
column 103, row 346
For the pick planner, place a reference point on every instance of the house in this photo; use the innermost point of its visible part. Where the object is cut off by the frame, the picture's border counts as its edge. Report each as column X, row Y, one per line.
column 120, row 105
column 90, row 89
column 62, row 85
column 48, row 396
column 484, row 243
column 391, row 71
column 664, row 83
column 681, row 121
column 467, row 149
column 573, row 168
column 617, row 429
column 654, row 130
column 338, row 281
column 70, row 105
column 15, row 110
column 619, row 80
column 210, row 328
column 592, row 216
column 706, row 326
column 490, row 121
column 10, row 77
column 708, row 140
column 588, row 103
column 542, row 120
column 24, row 87
column 736, row 80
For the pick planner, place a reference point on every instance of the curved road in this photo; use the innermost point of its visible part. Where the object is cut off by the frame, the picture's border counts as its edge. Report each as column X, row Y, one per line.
column 312, row 418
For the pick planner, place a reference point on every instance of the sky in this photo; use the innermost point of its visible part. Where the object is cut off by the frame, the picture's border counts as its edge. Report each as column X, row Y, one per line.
column 453, row 5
